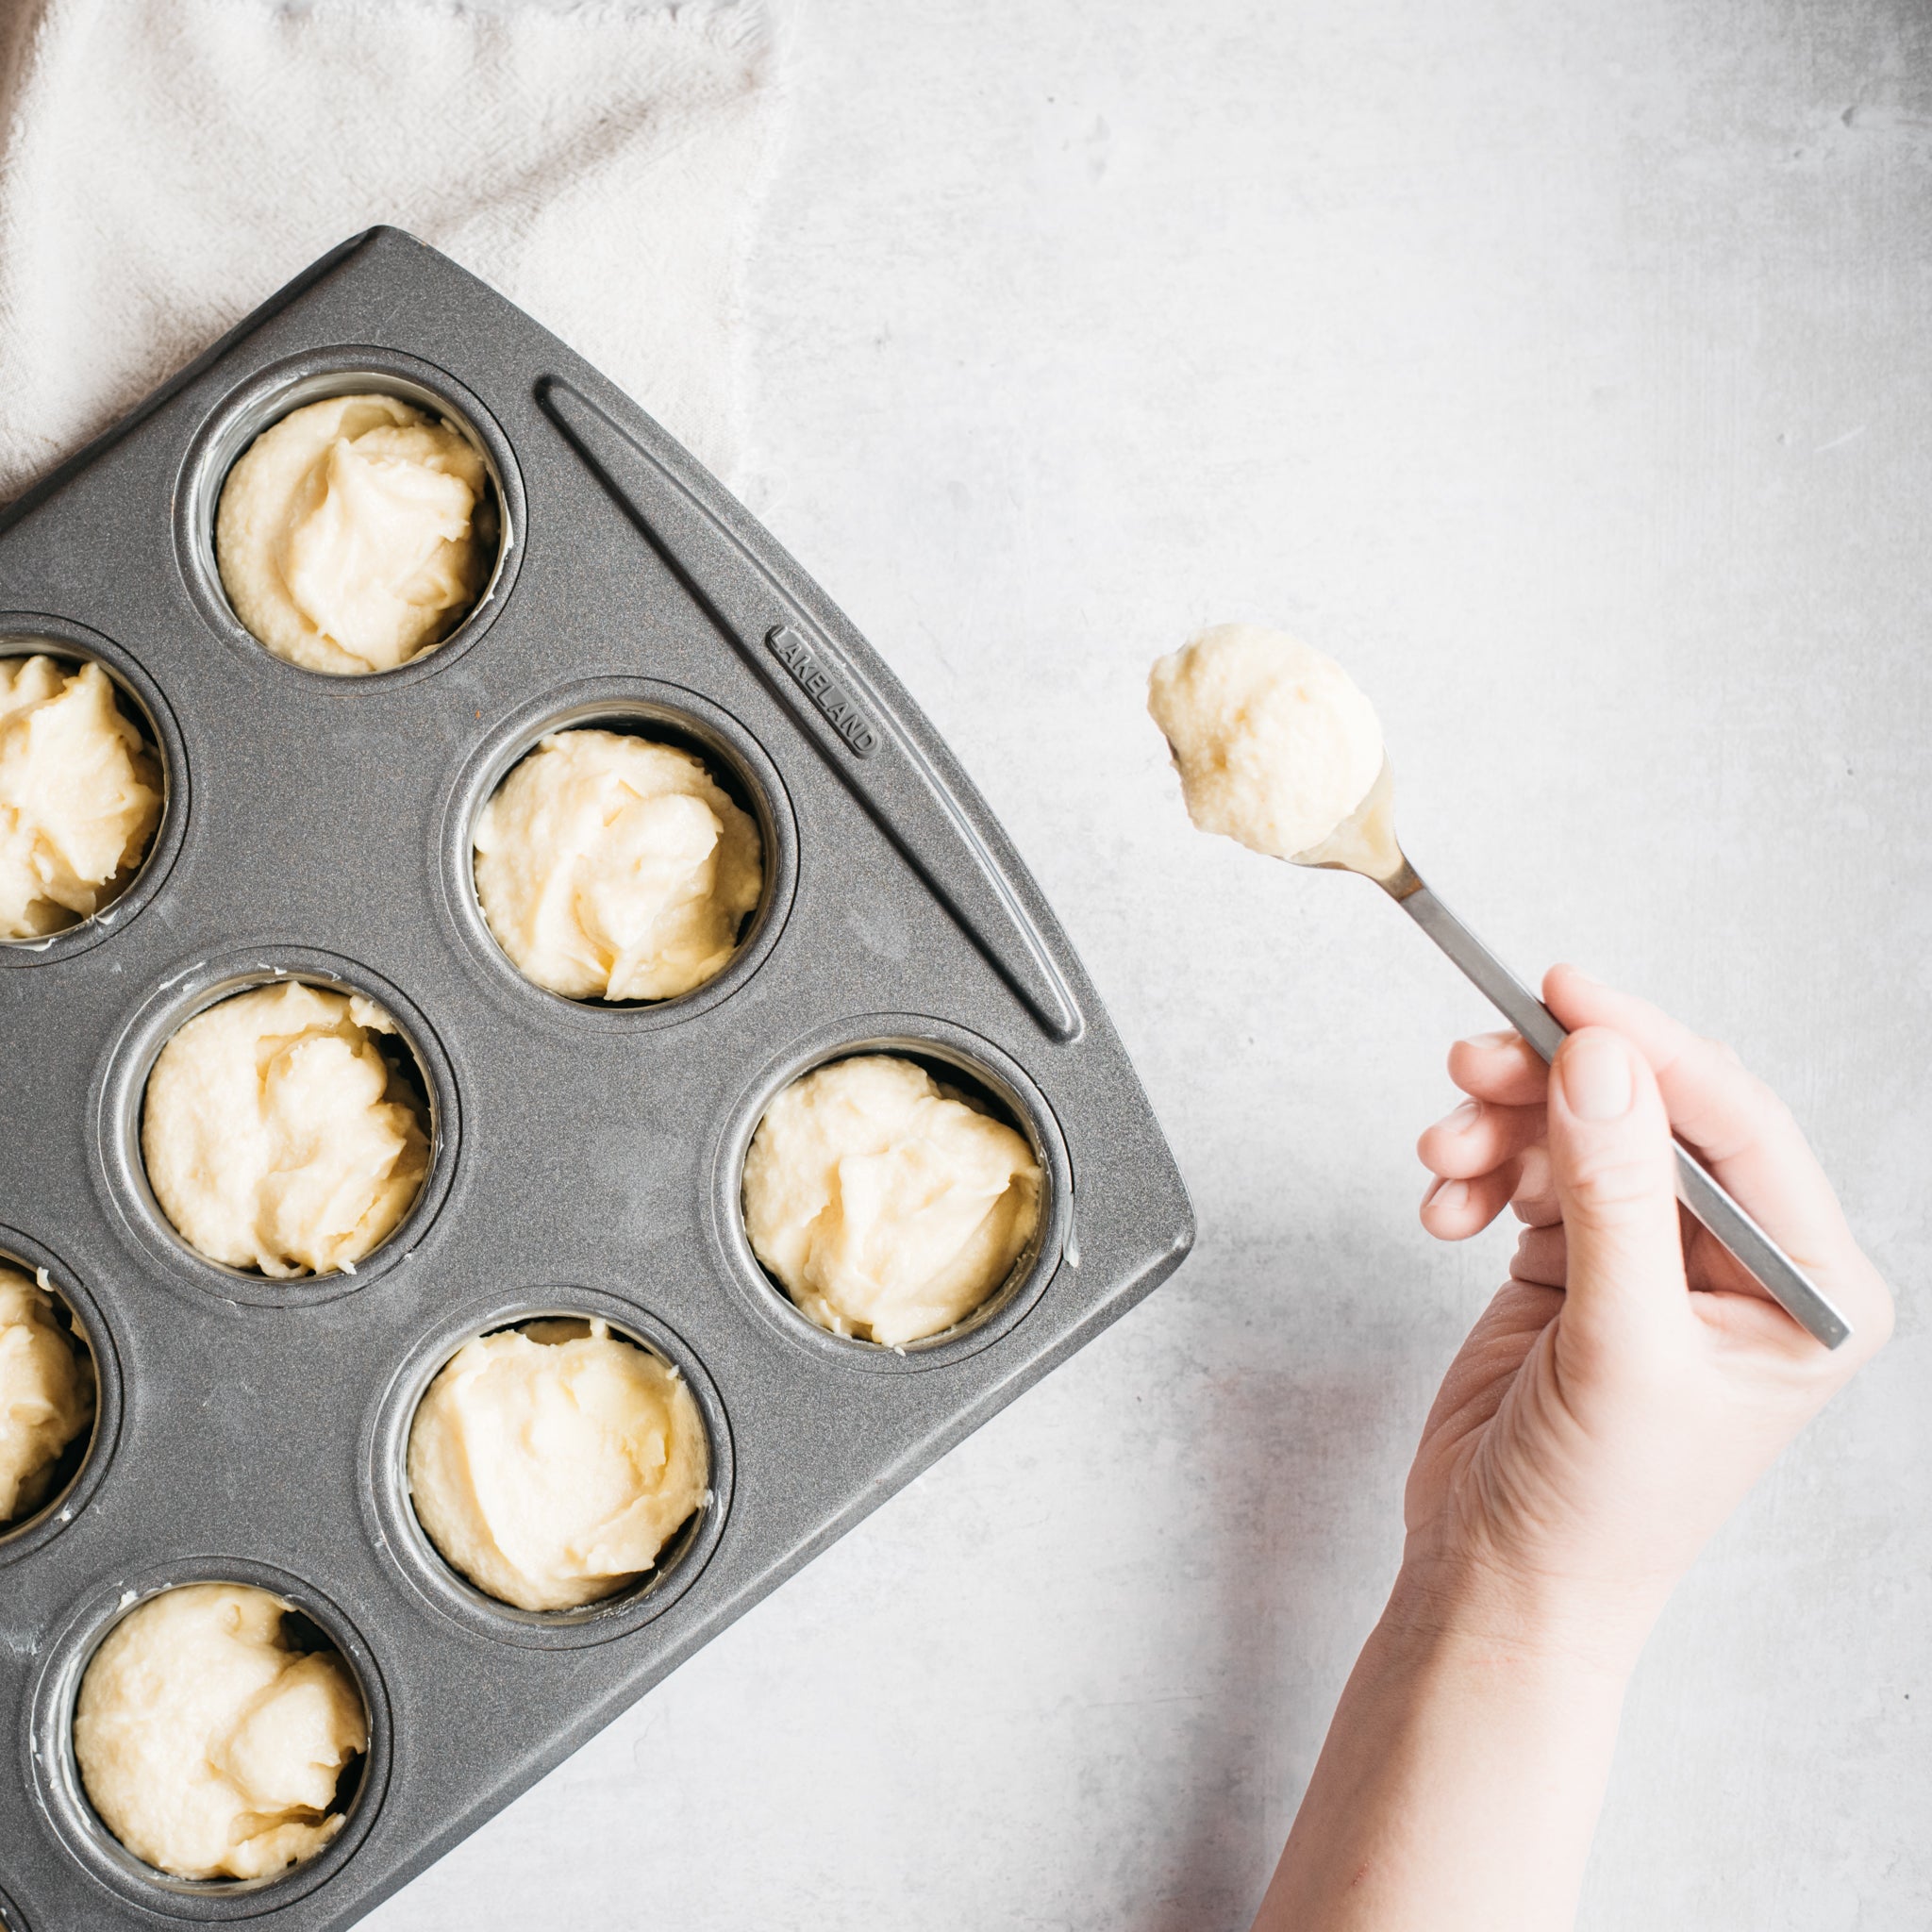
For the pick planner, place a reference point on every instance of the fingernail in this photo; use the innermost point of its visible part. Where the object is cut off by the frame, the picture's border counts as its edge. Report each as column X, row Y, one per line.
column 1596, row 1077
column 1462, row 1118
column 1505, row 1038
column 1446, row 1194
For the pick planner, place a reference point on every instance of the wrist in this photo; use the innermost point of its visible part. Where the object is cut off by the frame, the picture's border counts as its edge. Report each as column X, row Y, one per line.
column 1531, row 1625
column 1459, row 1782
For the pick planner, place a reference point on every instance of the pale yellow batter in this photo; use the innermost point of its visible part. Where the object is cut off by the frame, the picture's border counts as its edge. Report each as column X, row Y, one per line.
column 276, row 1135
column 550, row 1464
column 209, row 1747
column 1275, row 745
column 46, row 1394
column 613, row 868
column 348, row 534
column 887, row 1208
column 80, row 795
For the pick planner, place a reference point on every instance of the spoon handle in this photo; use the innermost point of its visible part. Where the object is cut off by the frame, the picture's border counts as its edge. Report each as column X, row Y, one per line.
column 1787, row 1284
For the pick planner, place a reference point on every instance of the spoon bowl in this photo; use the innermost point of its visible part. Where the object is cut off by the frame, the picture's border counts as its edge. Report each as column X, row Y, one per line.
column 1365, row 841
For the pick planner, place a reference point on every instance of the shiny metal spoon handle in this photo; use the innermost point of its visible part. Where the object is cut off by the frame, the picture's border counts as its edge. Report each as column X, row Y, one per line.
column 1783, row 1280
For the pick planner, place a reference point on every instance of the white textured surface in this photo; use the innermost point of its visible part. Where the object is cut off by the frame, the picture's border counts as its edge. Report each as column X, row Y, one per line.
column 1564, row 370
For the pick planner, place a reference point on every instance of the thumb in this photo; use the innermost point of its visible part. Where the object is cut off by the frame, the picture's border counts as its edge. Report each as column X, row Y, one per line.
column 1615, row 1170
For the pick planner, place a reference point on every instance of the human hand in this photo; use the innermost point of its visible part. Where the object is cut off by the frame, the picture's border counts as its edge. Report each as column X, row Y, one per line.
column 1625, row 1388
column 1603, row 1419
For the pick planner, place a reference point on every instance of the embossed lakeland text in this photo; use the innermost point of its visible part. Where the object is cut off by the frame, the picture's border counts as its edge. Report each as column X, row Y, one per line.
column 791, row 649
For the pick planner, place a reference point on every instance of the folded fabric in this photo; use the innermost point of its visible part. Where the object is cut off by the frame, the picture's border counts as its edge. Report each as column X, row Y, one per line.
column 167, row 165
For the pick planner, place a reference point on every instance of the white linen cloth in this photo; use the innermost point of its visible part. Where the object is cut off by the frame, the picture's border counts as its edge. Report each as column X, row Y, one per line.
column 168, row 163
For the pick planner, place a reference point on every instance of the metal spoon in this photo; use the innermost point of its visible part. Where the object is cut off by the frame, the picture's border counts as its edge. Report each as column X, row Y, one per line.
column 1365, row 842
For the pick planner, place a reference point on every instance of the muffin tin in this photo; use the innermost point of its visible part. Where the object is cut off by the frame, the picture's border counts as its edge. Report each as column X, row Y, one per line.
column 587, row 1158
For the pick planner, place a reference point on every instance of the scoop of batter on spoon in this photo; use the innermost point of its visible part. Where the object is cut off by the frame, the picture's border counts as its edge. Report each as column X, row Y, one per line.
column 1275, row 745
column 1278, row 748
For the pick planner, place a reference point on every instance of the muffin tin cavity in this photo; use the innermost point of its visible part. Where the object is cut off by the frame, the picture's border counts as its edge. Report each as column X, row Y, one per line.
column 396, row 1529
column 968, row 1065
column 312, row 1622
column 312, row 377
column 25, row 633
column 660, row 713
column 412, row 1052
column 84, row 1463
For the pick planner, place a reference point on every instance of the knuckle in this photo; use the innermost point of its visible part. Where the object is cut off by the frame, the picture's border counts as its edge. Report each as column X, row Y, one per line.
column 1613, row 1183
column 1878, row 1335
column 1759, row 1095
column 1875, row 1328
column 1724, row 1053
column 1533, row 1172
column 1769, row 1101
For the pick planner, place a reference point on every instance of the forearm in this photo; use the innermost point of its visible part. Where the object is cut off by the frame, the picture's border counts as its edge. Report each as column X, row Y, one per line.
column 1458, row 1787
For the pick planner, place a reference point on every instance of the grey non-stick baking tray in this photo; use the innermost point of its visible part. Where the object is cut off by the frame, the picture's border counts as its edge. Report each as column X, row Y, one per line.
column 587, row 1158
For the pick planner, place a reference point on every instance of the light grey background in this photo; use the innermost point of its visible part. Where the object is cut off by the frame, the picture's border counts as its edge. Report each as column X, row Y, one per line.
column 1564, row 370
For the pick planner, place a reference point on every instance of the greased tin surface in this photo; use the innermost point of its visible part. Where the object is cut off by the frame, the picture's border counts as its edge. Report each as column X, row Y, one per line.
column 587, row 1158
